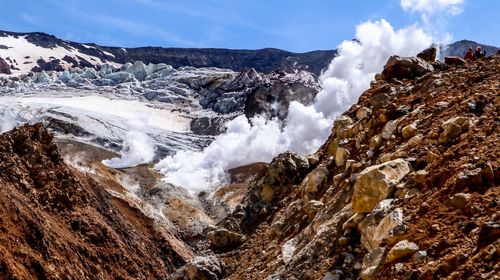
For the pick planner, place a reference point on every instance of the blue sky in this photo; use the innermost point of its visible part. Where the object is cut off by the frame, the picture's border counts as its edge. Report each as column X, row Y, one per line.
column 295, row 25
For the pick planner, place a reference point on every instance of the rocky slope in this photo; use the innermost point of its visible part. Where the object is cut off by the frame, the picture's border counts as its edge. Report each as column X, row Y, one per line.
column 59, row 223
column 66, row 53
column 406, row 187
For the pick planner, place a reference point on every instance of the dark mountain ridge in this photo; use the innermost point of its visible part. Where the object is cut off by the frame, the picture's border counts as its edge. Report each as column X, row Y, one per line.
column 263, row 60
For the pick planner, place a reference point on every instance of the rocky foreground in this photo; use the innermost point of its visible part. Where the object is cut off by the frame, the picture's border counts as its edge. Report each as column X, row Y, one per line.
column 406, row 187
column 58, row 223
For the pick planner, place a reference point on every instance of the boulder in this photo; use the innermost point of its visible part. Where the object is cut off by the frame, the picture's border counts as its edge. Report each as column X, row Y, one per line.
column 199, row 268
column 380, row 225
column 419, row 256
column 314, row 181
column 342, row 126
column 409, row 131
column 454, row 60
column 428, row 55
column 372, row 262
column 341, row 156
column 285, row 170
column 458, row 200
column 312, row 207
column 389, row 129
column 363, row 113
column 452, row 128
column 420, row 176
column 4, row 67
column 375, row 183
column 288, row 250
column 401, row 250
column 405, row 68
column 223, row 238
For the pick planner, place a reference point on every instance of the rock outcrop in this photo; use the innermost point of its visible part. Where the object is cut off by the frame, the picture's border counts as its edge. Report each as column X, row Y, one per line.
column 4, row 67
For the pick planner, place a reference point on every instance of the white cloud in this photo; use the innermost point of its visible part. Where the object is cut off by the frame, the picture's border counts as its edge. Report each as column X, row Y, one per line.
column 429, row 7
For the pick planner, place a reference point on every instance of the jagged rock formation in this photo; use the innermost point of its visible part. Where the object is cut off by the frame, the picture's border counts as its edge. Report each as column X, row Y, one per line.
column 56, row 222
column 91, row 55
column 406, row 187
column 204, row 98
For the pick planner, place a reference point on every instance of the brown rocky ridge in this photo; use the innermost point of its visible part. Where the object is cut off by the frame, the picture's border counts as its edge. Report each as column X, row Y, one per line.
column 59, row 223
column 406, row 187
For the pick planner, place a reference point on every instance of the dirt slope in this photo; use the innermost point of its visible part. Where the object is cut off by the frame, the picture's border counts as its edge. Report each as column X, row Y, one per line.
column 57, row 223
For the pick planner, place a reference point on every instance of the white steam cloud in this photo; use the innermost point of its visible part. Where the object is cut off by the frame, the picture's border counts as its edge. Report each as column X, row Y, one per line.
column 138, row 148
column 307, row 127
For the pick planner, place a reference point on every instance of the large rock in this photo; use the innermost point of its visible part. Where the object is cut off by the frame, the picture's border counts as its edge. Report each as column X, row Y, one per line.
column 375, row 183
column 285, row 170
column 381, row 224
column 342, row 126
column 199, row 268
column 401, row 250
column 223, row 238
column 313, row 182
column 372, row 262
column 405, row 68
column 428, row 55
column 452, row 128
column 459, row 200
column 4, row 67
column 454, row 60
column 312, row 207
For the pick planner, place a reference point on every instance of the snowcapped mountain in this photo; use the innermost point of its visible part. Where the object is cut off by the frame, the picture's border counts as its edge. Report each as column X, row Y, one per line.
column 39, row 51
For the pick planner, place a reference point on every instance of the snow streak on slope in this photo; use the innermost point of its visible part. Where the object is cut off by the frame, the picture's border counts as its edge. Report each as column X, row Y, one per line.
column 26, row 54
column 306, row 128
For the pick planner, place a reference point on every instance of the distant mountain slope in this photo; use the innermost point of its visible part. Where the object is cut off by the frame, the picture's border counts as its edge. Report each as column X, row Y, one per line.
column 460, row 47
column 72, row 53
